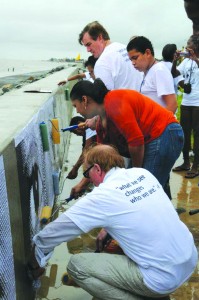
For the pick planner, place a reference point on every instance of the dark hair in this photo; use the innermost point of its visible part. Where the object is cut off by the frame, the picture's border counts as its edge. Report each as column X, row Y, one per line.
column 94, row 29
column 140, row 43
column 90, row 61
column 168, row 52
column 76, row 120
column 97, row 90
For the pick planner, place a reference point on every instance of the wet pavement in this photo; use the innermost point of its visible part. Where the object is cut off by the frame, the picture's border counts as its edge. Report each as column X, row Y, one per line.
column 185, row 195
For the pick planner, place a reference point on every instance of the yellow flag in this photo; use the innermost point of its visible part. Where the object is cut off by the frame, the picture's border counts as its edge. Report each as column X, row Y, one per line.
column 78, row 57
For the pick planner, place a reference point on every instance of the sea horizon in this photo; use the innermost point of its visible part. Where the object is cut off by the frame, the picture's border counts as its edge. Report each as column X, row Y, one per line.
column 14, row 71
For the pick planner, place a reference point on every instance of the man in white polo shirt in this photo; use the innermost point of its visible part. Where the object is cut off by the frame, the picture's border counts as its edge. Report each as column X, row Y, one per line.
column 113, row 66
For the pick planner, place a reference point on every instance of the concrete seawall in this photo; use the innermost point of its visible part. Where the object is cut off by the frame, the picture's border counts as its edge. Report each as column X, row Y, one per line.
column 26, row 172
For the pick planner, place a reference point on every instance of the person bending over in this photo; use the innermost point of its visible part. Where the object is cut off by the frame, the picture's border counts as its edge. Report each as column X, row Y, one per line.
column 88, row 137
column 89, row 75
column 139, row 127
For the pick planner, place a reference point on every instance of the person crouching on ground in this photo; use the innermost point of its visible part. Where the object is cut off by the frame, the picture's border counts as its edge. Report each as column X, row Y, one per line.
column 159, row 251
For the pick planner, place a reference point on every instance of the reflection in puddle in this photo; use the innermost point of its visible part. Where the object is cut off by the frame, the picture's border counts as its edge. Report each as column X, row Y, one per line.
column 185, row 193
column 43, row 290
column 53, row 275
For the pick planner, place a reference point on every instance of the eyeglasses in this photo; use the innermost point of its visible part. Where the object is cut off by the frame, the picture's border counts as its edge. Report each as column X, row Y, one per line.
column 86, row 173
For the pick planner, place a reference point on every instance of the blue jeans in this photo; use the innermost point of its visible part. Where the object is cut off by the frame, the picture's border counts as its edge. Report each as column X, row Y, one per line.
column 161, row 153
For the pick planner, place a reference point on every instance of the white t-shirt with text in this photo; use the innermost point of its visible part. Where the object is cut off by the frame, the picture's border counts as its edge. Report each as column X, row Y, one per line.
column 132, row 206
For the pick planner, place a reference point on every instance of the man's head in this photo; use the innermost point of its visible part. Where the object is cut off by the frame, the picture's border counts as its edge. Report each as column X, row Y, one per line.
column 192, row 10
column 168, row 52
column 94, row 37
column 193, row 44
column 89, row 64
column 75, row 121
column 87, row 97
column 141, row 53
column 98, row 160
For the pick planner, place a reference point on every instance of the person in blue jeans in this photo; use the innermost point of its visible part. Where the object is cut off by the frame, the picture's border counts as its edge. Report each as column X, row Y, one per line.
column 137, row 126
column 162, row 147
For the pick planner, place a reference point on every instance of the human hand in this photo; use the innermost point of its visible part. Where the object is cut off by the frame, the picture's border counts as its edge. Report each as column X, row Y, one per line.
column 72, row 174
column 35, row 273
column 192, row 54
column 34, row 269
column 62, row 82
column 91, row 123
column 77, row 191
column 177, row 55
column 103, row 239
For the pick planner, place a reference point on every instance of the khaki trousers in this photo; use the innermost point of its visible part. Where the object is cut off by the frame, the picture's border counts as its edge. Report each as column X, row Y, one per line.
column 109, row 276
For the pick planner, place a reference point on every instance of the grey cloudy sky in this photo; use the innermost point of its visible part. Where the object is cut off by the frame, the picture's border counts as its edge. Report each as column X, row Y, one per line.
column 41, row 29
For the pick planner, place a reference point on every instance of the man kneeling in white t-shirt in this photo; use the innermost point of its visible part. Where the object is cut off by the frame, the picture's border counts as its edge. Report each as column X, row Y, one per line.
column 130, row 204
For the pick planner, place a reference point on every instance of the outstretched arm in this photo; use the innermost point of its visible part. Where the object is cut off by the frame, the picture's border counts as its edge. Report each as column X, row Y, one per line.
column 75, row 77
column 60, row 230
column 73, row 173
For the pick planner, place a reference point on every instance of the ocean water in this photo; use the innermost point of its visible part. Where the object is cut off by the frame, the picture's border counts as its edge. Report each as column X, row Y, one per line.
column 16, row 71
column 15, row 67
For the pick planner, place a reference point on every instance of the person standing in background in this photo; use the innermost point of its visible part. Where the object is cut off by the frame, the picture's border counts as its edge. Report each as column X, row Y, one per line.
column 157, row 82
column 89, row 75
column 189, row 110
column 113, row 66
column 168, row 53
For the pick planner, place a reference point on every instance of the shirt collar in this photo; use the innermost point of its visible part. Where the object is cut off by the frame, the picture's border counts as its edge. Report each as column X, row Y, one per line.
column 110, row 173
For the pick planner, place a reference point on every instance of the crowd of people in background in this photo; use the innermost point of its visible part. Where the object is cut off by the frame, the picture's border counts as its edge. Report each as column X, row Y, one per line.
column 129, row 101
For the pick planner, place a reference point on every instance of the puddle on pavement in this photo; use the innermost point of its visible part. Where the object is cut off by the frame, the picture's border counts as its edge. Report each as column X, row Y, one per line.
column 185, row 194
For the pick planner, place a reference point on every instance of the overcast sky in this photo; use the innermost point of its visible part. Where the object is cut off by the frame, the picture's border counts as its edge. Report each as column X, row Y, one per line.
column 41, row 29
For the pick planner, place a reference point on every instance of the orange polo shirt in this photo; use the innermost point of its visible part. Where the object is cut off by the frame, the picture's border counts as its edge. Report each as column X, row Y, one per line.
column 132, row 119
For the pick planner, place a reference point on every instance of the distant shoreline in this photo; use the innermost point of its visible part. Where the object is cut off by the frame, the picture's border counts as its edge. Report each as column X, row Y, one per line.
column 17, row 73
column 14, row 81
column 17, row 79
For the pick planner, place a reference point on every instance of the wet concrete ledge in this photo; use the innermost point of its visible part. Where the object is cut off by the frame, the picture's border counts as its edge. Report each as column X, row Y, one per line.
column 17, row 107
column 18, row 110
